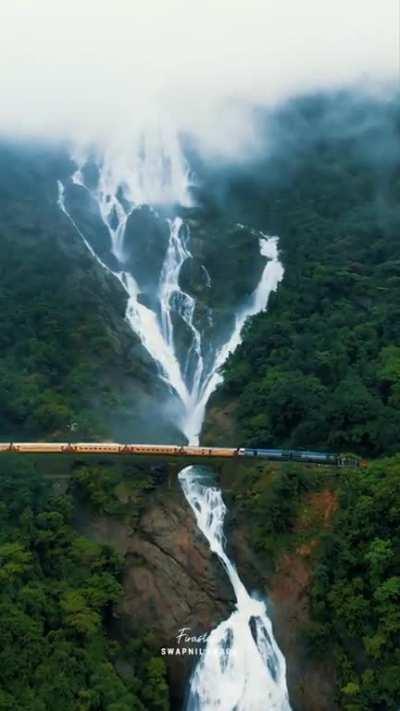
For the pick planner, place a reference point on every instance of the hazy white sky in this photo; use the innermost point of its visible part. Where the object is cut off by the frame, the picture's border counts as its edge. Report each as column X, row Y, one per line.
column 88, row 65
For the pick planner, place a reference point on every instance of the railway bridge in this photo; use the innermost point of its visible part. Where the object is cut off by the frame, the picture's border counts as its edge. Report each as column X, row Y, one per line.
column 189, row 451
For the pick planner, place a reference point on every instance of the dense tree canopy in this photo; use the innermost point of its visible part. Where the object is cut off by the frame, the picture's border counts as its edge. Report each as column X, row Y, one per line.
column 356, row 592
column 57, row 595
column 353, row 555
column 321, row 367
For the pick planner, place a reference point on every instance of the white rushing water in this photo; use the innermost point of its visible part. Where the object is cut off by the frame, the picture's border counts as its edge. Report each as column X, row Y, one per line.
column 194, row 377
column 270, row 278
column 242, row 668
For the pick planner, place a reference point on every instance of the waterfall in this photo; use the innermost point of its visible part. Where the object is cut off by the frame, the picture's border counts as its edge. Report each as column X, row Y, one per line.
column 142, row 320
column 270, row 278
column 193, row 377
column 242, row 668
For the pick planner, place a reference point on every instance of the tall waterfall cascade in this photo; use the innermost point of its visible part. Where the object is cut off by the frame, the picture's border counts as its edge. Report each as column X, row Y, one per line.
column 242, row 668
column 118, row 192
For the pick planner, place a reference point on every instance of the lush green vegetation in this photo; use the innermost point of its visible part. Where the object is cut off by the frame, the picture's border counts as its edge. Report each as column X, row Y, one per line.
column 322, row 367
column 355, row 600
column 47, row 372
column 270, row 500
column 355, row 564
column 57, row 595
column 116, row 487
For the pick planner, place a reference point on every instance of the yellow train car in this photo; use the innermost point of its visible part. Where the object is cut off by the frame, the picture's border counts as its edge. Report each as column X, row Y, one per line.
column 33, row 447
column 166, row 450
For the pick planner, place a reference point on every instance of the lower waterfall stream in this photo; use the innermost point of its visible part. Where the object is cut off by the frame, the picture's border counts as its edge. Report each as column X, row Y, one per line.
column 242, row 668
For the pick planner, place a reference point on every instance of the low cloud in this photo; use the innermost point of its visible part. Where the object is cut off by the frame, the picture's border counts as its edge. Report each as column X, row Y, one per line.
column 94, row 69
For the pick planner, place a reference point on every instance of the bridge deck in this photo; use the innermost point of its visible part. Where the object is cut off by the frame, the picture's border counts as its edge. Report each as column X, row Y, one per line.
column 190, row 451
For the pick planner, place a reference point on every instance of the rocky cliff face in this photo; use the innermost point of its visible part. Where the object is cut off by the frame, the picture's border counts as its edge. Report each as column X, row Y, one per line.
column 170, row 580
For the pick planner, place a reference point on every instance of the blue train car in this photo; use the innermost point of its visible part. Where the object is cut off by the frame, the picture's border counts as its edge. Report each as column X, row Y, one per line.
column 278, row 454
column 286, row 455
column 317, row 457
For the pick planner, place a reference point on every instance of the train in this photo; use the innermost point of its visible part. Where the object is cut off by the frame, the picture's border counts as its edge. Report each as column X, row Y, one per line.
column 273, row 455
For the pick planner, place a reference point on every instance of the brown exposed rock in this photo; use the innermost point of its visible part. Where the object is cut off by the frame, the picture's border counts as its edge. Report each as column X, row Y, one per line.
column 311, row 683
column 169, row 570
column 170, row 579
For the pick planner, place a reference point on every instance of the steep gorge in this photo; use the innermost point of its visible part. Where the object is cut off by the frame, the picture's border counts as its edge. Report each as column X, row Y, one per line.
column 170, row 582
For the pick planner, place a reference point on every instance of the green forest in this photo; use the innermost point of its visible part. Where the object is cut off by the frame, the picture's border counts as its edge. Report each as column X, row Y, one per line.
column 354, row 599
column 321, row 368
column 58, row 597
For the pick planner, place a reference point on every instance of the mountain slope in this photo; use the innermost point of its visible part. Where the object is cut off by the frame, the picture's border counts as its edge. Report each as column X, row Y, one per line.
column 321, row 367
column 68, row 358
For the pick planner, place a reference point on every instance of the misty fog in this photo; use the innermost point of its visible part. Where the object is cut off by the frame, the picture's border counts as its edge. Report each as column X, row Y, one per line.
column 97, row 71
